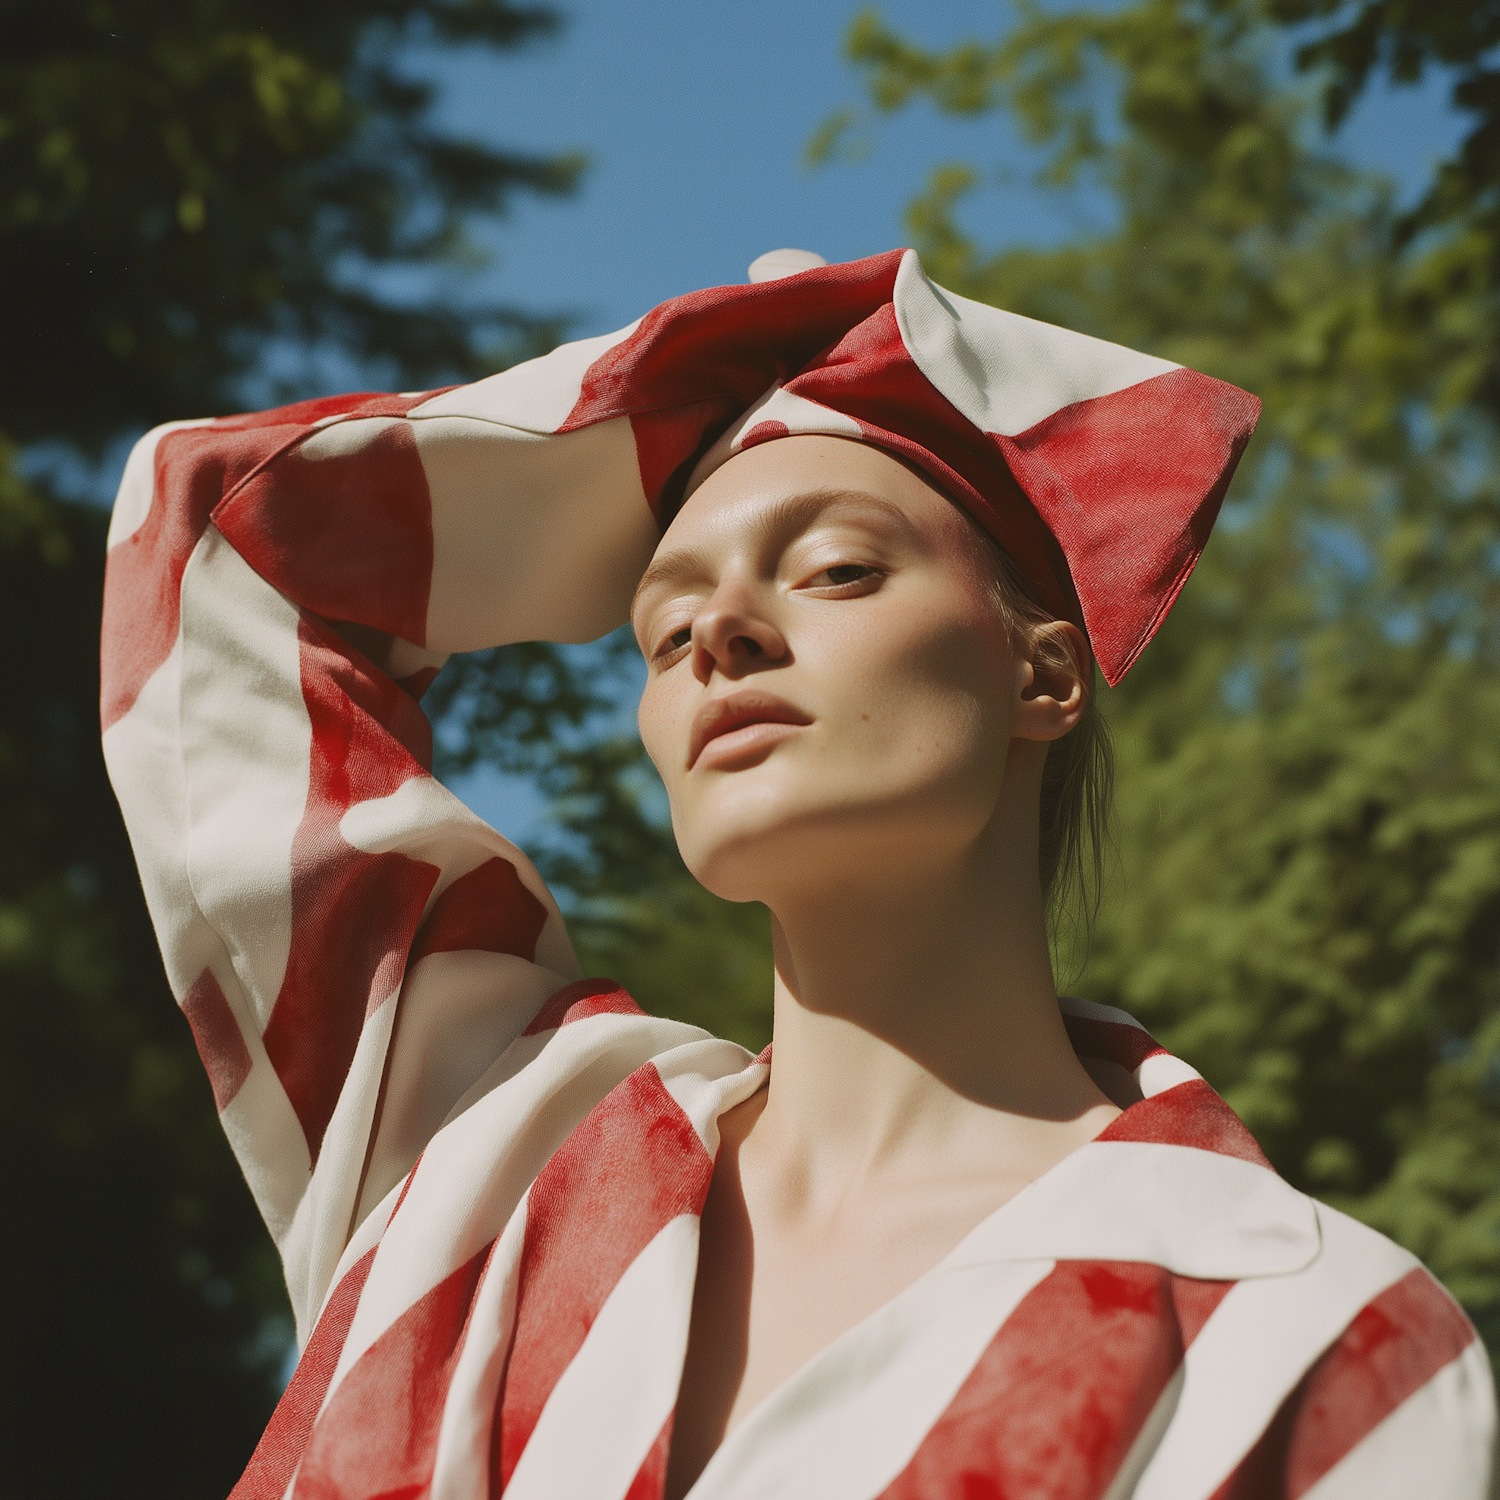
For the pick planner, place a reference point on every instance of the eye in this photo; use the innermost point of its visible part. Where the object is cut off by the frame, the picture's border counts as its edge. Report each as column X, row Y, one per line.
column 845, row 578
column 679, row 640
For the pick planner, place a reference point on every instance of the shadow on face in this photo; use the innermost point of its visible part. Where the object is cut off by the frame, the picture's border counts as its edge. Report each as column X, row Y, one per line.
column 832, row 692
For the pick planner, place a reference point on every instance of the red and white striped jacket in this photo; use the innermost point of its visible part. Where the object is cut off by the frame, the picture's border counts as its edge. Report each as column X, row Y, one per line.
column 484, row 1173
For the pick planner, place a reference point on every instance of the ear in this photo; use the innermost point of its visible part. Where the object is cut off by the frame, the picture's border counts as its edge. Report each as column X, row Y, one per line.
column 1055, row 681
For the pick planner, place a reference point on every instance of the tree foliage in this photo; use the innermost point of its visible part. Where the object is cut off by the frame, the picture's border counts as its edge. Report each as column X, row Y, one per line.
column 182, row 183
column 1353, row 41
column 140, row 1295
column 1307, row 897
column 197, row 199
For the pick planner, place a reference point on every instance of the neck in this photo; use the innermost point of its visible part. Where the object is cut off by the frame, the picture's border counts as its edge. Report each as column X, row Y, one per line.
column 916, row 1021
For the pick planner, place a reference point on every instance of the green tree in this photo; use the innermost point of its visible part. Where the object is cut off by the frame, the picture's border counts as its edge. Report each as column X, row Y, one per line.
column 185, row 187
column 1307, row 888
column 1353, row 41
column 195, row 200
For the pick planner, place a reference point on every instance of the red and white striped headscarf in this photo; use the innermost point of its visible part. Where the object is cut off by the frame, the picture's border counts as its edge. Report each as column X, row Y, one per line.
column 1100, row 470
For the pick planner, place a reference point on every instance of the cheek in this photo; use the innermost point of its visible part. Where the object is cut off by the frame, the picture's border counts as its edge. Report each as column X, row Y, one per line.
column 658, row 719
column 927, row 684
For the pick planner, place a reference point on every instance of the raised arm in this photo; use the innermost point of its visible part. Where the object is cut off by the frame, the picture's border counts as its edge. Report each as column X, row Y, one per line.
column 281, row 587
column 280, row 590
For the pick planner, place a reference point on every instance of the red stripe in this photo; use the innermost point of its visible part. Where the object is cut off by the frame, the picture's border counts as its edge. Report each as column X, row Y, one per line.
column 143, row 574
column 1396, row 1344
column 870, row 376
column 379, row 1434
column 194, row 470
column 348, row 536
column 651, row 1478
column 668, row 445
column 721, row 343
column 580, row 1000
column 696, row 361
column 354, row 915
column 1190, row 1114
column 1114, row 1041
column 282, row 1444
column 319, row 408
column 1054, row 1403
column 488, row 910
column 216, row 1031
column 629, row 1169
column 1121, row 482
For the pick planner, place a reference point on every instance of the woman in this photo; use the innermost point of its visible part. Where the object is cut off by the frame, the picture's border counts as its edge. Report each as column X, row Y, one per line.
column 962, row 1238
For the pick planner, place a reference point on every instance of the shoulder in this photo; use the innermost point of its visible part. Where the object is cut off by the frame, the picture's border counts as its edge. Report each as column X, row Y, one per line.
column 1331, row 1362
column 1364, row 1377
column 589, row 1048
column 592, row 1089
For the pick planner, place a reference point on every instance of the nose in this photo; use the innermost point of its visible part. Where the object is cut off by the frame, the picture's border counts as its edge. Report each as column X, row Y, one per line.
column 734, row 636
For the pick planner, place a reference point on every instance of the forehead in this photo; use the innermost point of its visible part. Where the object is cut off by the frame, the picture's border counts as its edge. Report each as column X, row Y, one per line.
column 774, row 478
column 764, row 498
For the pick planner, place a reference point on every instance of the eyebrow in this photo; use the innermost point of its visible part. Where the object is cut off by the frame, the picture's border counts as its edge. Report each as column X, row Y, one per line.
column 782, row 518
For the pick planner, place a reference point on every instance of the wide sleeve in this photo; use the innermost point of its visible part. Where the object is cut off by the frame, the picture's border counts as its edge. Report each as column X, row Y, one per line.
column 351, row 946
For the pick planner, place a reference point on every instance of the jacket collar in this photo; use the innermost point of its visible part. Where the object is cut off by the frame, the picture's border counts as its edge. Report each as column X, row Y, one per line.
column 1195, row 1212
column 1176, row 1180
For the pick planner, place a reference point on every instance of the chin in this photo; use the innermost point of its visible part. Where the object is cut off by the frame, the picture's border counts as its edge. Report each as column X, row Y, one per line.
column 745, row 858
column 767, row 847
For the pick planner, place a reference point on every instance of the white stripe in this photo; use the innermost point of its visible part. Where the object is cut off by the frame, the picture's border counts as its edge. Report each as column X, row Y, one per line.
column 607, row 1408
column 246, row 750
column 1091, row 1010
column 138, row 482
column 1256, row 1346
column 319, row 1230
column 461, row 1467
column 533, row 537
column 775, row 405
column 846, row 1424
column 459, row 1013
column 342, row 437
column 424, row 820
column 537, row 395
column 1006, row 373
column 1438, row 1444
column 143, row 752
column 1161, row 1071
column 1197, row 1213
column 264, row 1132
column 707, row 1079
column 476, row 1169
column 796, row 413
column 403, row 659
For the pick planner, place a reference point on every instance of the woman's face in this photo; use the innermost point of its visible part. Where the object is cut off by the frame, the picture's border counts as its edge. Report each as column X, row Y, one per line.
column 831, row 685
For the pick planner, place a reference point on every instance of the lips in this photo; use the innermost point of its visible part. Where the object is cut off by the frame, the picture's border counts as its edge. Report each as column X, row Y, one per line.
column 740, row 711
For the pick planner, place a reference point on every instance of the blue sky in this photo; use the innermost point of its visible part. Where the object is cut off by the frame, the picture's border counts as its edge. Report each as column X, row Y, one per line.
column 695, row 115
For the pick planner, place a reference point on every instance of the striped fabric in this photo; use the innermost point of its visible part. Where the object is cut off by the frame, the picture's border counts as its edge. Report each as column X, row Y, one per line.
column 484, row 1173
